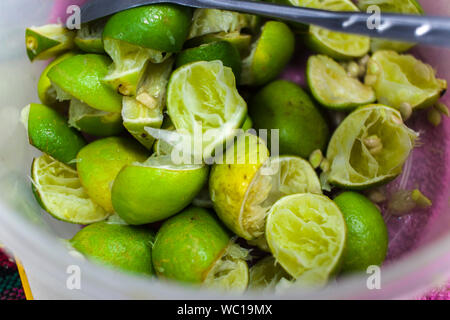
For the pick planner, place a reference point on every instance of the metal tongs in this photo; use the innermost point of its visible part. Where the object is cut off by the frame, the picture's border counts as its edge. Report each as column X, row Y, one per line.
column 409, row 28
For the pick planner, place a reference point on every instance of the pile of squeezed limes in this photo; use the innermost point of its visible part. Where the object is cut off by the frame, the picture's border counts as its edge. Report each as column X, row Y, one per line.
column 126, row 98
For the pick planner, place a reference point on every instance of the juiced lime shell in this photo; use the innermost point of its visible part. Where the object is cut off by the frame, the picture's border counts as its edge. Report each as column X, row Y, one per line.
column 99, row 163
column 49, row 132
column 285, row 106
column 120, row 246
column 188, row 244
column 162, row 27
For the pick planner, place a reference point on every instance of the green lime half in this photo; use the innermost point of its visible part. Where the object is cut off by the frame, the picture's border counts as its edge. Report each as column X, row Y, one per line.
column 335, row 44
column 207, row 21
column 399, row 79
column 156, row 189
column 367, row 236
column 202, row 99
column 220, row 50
column 49, row 132
column 398, row 6
column 306, row 234
column 161, row 27
column 92, row 121
column 369, row 147
column 80, row 77
column 48, row 41
column 146, row 109
column 46, row 92
column 333, row 88
column 120, row 246
column 194, row 247
column 266, row 274
column 89, row 37
column 240, row 41
column 58, row 190
column 269, row 54
column 99, row 163
column 284, row 106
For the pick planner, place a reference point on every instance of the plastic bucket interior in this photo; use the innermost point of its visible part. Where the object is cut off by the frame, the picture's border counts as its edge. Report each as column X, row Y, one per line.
column 419, row 250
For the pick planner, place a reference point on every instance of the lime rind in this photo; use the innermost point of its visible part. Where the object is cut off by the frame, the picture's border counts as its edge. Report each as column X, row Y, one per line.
column 230, row 272
column 59, row 190
column 353, row 164
column 48, row 41
column 277, row 177
column 203, row 99
column 130, row 63
column 207, row 21
column 401, row 78
column 306, row 234
column 333, row 88
column 92, row 121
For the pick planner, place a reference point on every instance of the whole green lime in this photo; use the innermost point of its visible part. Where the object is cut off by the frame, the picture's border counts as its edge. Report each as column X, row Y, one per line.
column 188, row 244
column 285, row 106
column 99, row 163
column 162, row 27
column 124, row 247
column 367, row 236
column 49, row 132
column 220, row 50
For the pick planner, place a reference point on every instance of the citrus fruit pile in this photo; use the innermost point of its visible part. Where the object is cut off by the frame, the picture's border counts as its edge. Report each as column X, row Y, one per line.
column 166, row 132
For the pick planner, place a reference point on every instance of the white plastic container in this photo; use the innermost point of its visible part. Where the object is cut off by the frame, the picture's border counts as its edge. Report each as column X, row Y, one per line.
column 34, row 236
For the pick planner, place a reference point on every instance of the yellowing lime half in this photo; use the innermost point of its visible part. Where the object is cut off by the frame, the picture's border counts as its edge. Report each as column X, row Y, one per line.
column 333, row 88
column 203, row 102
column 306, row 234
column 59, row 191
column 45, row 42
column 399, row 79
column 369, row 147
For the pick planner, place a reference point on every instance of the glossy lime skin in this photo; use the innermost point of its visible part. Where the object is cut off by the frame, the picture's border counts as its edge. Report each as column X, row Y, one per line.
column 285, row 106
column 220, row 50
column 162, row 27
column 99, row 163
column 44, row 83
column 188, row 244
column 49, row 132
column 143, row 195
column 120, row 246
column 274, row 50
column 81, row 76
column 107, row 125
column 367, row 236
